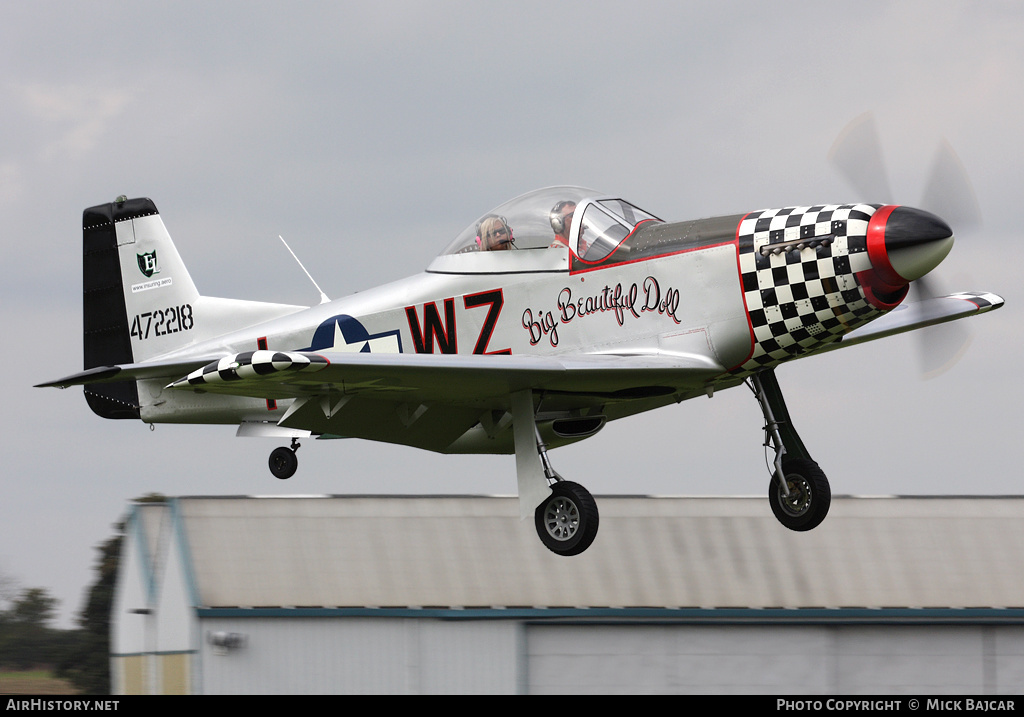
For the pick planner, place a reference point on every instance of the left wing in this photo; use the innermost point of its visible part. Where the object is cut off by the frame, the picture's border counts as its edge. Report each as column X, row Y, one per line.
column 448, row 378
column 453, row 403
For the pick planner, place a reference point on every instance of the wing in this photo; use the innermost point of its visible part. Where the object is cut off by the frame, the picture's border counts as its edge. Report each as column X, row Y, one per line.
column 450, row 403
column 915, row 315
column 449, row 378
column 441, row 402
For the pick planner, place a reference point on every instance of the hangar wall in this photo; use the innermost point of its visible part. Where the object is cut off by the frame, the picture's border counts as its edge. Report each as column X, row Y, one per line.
column 353, row 655
column 362, row 655
column 454, row 595
column 769, row 659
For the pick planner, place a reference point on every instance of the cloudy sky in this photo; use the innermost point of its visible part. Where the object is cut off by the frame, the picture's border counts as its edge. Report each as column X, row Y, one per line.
column 370, row 134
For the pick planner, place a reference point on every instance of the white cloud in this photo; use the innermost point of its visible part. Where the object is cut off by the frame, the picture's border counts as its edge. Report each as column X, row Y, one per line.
column 75, row 116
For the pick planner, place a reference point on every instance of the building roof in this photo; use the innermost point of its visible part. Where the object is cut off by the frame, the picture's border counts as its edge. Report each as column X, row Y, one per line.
column 657, row 552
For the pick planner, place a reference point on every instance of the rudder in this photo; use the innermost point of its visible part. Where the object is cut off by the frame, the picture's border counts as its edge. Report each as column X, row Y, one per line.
column 137, row 296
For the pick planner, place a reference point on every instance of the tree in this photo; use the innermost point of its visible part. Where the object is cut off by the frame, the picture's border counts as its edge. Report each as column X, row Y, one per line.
column 8, row 590
column 26, row 639
column 34, row 608
column 87, row 665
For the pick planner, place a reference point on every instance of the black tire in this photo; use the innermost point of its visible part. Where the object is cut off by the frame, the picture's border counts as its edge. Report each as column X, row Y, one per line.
column 809, row 495
column 283, row 462
column 567, row 520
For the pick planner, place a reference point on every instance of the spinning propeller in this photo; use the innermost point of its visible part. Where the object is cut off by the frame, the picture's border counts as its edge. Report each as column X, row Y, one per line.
column 914, row 240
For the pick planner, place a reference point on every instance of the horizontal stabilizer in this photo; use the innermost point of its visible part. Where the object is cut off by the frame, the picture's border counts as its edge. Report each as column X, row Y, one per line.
column 130, row 372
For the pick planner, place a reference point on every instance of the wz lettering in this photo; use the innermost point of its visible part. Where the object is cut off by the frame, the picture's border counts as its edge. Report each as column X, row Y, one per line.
column 433, row 332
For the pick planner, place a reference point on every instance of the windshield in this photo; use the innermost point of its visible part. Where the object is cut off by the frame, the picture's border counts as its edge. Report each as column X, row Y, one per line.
column 530, row 221
column 605, row 224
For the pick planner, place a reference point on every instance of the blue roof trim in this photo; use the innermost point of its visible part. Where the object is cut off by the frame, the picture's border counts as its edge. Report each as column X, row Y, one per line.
column 773, row 615
column 180, row 537
column 138, row 532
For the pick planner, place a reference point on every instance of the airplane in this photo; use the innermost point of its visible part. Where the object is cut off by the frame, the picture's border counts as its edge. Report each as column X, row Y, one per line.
column 547, row 317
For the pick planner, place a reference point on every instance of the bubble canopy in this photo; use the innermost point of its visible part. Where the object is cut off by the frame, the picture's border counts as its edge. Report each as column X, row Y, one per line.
column 528, row 216
column 538, row 231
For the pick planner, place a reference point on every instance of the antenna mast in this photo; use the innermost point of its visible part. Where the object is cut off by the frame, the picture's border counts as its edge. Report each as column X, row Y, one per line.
column 323, row 296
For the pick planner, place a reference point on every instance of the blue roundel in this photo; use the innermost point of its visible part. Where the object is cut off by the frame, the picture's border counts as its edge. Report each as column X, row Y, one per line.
column 345, row 333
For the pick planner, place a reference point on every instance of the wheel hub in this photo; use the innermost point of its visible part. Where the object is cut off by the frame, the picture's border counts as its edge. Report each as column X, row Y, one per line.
column 561, row 518
column 799, row 499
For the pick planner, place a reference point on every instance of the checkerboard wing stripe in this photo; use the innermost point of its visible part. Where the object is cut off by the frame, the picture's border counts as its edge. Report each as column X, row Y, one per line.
column 252, row 365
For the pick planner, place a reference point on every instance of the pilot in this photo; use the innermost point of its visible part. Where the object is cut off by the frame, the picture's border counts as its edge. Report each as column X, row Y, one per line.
column 561, row 222
column 495, row 234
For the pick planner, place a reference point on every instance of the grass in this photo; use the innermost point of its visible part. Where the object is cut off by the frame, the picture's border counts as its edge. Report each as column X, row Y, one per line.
column 33, row 682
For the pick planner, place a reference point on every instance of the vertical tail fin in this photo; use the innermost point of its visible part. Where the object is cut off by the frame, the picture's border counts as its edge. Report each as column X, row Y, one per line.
column 140, row 302
column 138, row 297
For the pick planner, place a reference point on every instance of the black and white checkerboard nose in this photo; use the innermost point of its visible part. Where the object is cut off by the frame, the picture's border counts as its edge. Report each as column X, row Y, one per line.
column 907, row 243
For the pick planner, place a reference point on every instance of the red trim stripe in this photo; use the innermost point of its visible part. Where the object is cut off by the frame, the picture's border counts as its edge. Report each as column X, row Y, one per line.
column 876, row 248
column 261, row 344
column 743, row 295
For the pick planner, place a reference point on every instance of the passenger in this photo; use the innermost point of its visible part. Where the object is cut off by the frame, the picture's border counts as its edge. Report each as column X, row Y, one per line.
column 495, row 234
column 561, row 222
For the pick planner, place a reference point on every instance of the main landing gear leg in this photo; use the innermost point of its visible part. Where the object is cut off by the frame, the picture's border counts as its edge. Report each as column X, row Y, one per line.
column 799, row 492
column 283, row 462
column 566, row 514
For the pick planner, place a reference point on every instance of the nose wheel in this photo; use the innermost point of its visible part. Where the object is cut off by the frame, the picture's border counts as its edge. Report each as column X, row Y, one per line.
column 809, row 495
column 799, row 493
column 283, row 461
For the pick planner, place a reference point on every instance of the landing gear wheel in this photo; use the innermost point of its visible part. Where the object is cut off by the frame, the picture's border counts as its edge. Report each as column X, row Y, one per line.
column 567, row 519
column 809, row 495
column 283, row 462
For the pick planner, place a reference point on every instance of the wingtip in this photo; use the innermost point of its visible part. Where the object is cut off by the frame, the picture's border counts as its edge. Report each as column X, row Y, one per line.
column 984, row 300
column 92, row 375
